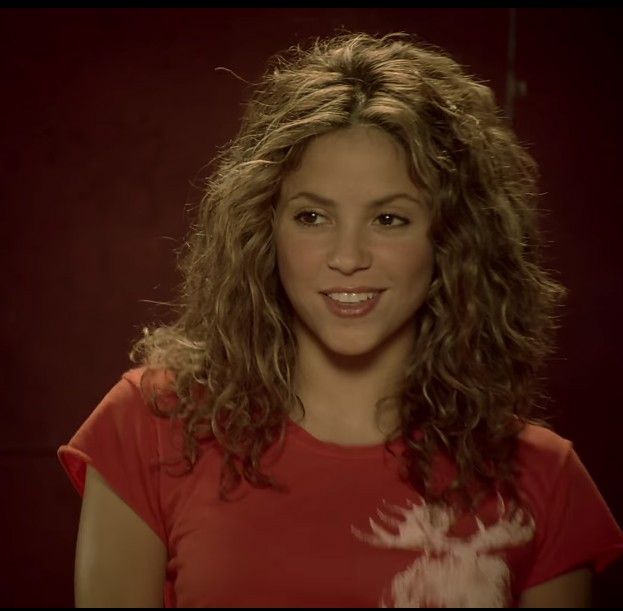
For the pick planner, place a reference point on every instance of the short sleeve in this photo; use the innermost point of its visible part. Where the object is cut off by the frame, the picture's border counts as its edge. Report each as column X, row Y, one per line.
column 120, row 440
column 578, row 529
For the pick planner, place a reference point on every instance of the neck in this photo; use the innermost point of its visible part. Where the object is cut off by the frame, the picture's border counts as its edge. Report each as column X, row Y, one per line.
column 340, row 392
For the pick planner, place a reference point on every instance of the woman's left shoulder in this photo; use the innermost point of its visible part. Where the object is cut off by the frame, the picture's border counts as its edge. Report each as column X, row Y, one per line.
column 541, row 451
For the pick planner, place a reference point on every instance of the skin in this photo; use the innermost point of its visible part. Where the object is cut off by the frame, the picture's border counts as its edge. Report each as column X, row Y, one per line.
column 351, row 363
column 120, row 561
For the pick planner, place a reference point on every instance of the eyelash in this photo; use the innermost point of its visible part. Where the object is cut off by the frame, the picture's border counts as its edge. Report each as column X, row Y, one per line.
column 304, row 212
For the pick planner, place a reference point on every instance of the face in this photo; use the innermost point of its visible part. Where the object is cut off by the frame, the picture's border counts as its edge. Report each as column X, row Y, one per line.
column 350, row 216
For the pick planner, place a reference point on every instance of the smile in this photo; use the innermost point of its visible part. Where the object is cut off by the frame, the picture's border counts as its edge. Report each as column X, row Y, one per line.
column 351, row 297
column 351, row 305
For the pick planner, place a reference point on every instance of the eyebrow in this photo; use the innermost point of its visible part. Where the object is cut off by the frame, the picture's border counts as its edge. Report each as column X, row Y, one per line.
column 375, row 203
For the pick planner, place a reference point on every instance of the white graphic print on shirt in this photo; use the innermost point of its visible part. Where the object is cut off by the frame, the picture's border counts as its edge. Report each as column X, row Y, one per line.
column 450, row 571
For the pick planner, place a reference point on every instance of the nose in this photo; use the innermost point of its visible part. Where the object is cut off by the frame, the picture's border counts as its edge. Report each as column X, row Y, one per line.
column 349, row 252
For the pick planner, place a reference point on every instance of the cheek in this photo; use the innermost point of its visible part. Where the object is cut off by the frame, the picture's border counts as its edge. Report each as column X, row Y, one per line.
column 410, row 260
column 298, row 259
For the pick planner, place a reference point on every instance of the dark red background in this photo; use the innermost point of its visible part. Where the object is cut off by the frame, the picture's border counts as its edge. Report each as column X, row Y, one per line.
column 109, row 115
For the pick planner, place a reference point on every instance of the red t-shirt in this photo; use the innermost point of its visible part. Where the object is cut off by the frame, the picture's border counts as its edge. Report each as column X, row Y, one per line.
column 348, row 533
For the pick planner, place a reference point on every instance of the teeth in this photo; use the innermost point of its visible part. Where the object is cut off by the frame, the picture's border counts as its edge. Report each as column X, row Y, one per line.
column 351, row 297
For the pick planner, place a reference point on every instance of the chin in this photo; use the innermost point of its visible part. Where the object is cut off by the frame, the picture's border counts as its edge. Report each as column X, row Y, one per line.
column 351, row 346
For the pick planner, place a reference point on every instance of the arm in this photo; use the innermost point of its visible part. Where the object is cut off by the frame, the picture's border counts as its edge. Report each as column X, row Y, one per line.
column 120, row 561
column 568, row 590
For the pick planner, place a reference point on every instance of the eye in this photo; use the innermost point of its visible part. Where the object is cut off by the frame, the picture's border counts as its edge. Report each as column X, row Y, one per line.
column 307, row 217
column 392, row 217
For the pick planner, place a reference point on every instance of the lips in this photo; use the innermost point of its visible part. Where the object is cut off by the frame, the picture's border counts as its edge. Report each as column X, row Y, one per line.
column 352, row 310
column 357, row 289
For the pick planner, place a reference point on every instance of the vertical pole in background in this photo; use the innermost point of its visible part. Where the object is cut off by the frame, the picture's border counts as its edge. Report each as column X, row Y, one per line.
column 514, row 87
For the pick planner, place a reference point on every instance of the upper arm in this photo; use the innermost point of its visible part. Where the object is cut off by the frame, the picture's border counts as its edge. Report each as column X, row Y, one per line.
column 571, row 589
column 120, row 560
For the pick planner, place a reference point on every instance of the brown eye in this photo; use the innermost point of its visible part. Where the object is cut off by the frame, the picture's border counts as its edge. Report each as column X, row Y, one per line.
column 307, row 217
column 390, row 218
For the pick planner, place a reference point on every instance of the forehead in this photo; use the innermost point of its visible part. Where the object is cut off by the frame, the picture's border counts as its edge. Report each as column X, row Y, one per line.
column 366, row 156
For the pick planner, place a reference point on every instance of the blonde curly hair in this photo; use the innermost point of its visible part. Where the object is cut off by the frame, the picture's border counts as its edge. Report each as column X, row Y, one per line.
column 488, row 321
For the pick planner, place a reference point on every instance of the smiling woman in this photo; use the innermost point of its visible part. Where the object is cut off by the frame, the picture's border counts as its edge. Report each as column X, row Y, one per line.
column 324, row 267
column 344, row 411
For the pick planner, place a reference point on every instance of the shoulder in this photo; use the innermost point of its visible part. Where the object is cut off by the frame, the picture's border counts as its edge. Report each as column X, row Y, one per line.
column 541, row 460
column 126, row 408
column 138, row 388
column 538, row 446
column 143, row 381
column 574, row 526
column 126, row 397
column 134, row 376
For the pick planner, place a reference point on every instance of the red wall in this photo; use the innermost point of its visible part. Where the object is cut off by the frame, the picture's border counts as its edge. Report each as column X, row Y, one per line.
column 109, row 115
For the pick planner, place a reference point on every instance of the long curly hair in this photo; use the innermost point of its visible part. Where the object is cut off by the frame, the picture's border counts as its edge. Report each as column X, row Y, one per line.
column 485, row 328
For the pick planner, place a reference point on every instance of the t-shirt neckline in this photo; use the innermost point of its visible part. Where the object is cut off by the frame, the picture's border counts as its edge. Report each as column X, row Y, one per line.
column 328, row 448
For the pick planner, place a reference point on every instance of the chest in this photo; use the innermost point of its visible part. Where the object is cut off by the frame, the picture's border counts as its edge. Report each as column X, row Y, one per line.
column 338, row 538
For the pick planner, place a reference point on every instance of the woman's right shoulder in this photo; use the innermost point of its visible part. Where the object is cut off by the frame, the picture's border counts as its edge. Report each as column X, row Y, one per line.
column 134, row 376
column 123, row 418
column 145, row 379
column 137, row 389
column 124, row 399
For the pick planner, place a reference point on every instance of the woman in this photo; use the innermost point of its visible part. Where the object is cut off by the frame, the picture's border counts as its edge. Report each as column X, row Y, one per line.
column 343, row 412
